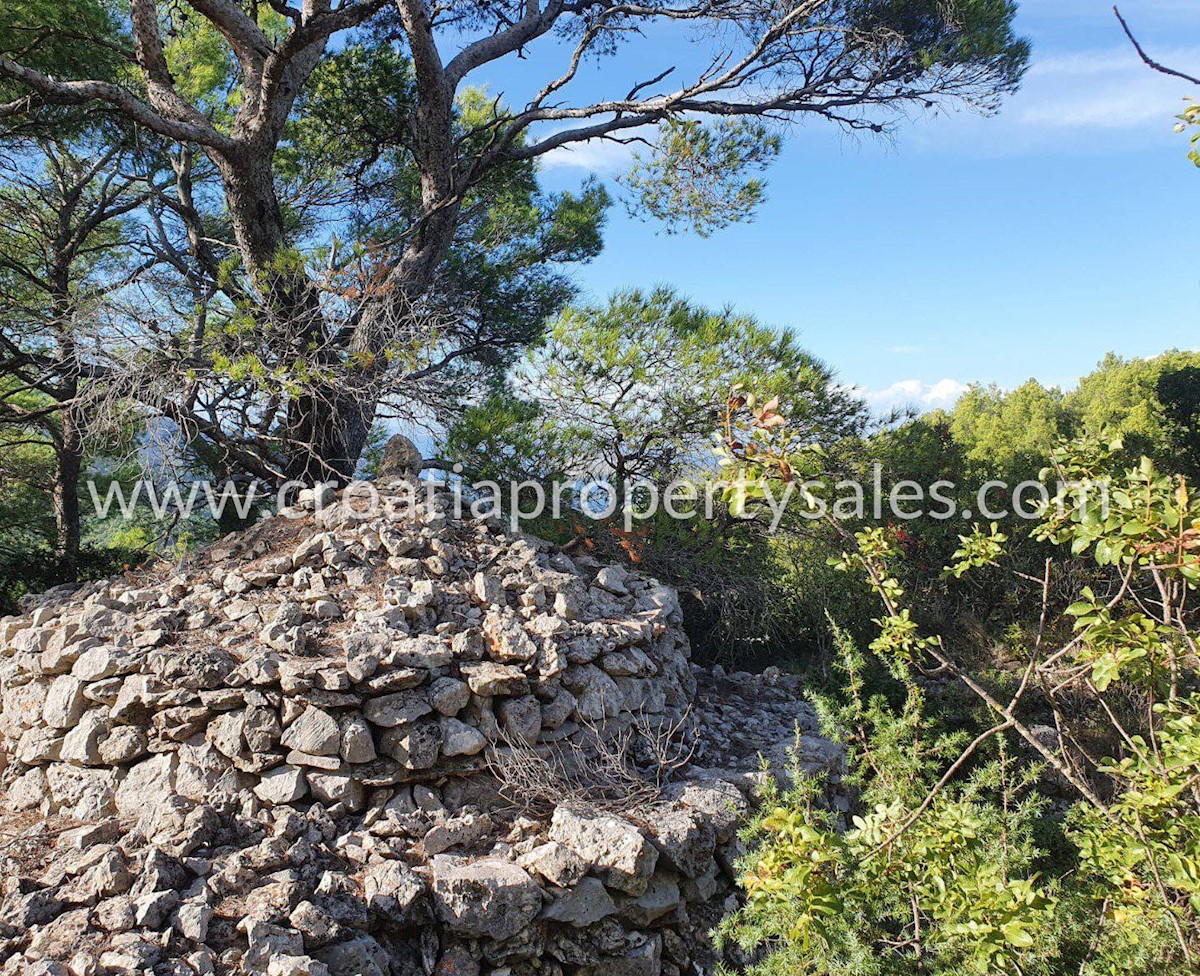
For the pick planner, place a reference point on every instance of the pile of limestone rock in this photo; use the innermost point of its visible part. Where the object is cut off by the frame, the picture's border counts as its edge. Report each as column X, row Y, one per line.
column 288, row 755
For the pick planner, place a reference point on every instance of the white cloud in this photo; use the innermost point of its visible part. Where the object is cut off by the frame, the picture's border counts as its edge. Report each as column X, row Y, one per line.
column 1108, row 89
column 1088, row 100
column 605, row 157
column 943, row 392
column 596, row 156
column 914, row 393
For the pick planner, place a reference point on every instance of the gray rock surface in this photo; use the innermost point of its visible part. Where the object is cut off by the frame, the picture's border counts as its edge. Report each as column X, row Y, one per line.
column 281, row 757
column 487, row 898
column 608, row 844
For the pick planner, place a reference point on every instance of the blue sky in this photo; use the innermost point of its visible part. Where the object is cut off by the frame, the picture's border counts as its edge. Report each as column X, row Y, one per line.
column 962, row 249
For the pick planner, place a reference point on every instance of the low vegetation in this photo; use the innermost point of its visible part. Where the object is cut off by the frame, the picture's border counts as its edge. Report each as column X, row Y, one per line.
column 1028, row 801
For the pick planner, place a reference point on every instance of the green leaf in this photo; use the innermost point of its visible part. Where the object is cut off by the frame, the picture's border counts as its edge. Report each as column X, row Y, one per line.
column 1016, row 934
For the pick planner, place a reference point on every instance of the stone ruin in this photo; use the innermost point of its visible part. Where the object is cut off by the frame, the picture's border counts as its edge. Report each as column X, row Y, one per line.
column 358, row 745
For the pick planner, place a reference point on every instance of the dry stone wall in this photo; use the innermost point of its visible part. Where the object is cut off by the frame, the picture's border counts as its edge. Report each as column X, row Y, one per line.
column 280, row 758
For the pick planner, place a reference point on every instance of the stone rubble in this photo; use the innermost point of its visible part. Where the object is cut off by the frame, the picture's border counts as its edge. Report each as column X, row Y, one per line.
column 275, row 759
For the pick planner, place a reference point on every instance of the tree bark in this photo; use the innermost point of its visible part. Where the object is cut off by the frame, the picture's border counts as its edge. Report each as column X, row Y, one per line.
column 254, row 211
column 68, row 466
column 68, row 448
column 325, row 429
column 328, row 430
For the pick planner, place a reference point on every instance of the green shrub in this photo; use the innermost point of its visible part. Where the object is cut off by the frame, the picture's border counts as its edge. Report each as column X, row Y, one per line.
column 1054, row 826
column 939, row 882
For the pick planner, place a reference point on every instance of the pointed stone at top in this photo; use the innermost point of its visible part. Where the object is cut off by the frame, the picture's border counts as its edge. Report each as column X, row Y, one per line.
column 401, row 459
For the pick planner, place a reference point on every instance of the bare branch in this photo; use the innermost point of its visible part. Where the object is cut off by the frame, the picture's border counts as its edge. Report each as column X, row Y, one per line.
column 1150, row 62
column 533, row 24
column 246, row 38
column 82, row 92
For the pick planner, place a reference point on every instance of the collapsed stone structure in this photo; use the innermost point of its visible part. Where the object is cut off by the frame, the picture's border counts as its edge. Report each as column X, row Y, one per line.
column 289, row 755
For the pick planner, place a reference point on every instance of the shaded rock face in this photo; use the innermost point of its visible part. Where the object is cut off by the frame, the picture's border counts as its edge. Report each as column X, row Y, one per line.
column 281, row 759
column 400, row 458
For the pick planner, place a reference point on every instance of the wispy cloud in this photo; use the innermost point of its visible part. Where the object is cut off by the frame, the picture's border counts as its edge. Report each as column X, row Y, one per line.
column 595, row 156
column 1064, row 102
column 1067, row 100
column 1108, row 89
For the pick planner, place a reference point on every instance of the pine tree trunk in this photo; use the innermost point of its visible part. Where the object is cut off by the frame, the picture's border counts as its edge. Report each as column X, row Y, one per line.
column 69, row 458
column 327, row 426
column 328, row 430
column 68, row 448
